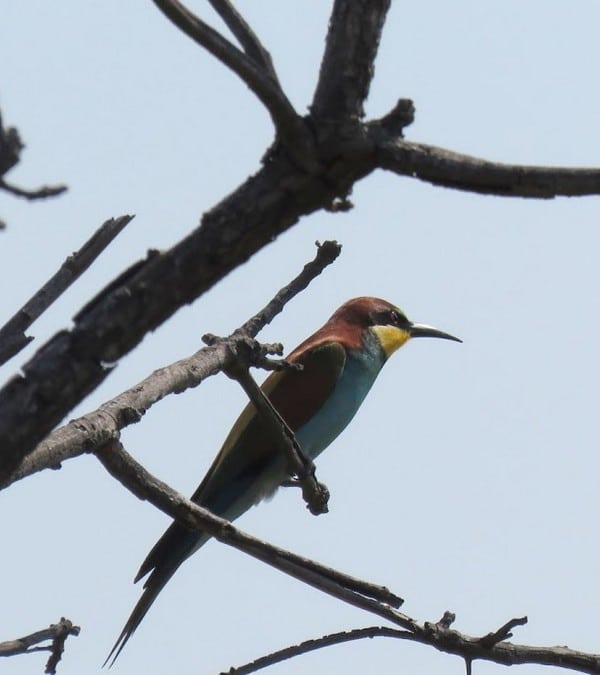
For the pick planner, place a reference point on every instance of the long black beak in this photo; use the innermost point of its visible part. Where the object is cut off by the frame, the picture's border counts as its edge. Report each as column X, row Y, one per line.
column 423, row 330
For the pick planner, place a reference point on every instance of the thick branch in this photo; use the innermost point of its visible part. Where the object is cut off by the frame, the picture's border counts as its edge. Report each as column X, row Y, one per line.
column 472, row 174
column 96, row 429
column 74, row 362
column 347, row 68
column 12, row 334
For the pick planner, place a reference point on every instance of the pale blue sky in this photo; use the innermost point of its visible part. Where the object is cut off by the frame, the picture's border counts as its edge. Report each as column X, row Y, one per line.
column 469, row 480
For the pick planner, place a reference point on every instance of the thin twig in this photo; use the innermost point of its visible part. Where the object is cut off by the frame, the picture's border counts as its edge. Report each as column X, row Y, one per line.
column 312, row 645
column 12, row 334
column 99, row 427
column 56, row 632
column 287, row 122
column 315, row 494
column 503, row 633
column 245, row 36
column 40, row 193
column 327, row 252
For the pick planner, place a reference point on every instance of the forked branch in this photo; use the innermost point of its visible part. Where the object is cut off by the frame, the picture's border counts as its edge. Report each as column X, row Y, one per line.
column 98, row 428
column 254, row 66
column 57, row 633
column 244, row 34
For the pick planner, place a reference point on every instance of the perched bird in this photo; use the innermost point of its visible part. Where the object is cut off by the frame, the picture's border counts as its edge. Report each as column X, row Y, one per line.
column 340, row 363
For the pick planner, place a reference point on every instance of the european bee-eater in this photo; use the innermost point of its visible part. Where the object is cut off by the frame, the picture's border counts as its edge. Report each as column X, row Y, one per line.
column 340, row 363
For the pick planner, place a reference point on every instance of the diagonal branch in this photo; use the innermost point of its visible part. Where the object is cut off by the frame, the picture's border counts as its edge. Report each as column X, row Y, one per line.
column 463, row 172
column 288, row 123
column 347, row 68
column 98, row 428
column 12, row 334
column 145, row 486
column 315, row 494
column 244, row 34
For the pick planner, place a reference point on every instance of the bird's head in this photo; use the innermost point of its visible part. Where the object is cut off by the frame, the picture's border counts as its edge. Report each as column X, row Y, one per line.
column 385, row 321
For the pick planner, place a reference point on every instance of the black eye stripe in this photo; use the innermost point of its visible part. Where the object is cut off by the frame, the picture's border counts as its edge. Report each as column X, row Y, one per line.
column 390, row 317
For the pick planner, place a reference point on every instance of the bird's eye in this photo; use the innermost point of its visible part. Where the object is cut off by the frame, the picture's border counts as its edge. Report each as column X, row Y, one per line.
column 390, row 317
column 396, row 318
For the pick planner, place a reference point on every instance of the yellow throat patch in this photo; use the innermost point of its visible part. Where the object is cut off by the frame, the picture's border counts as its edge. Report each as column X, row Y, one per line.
column 390, row 338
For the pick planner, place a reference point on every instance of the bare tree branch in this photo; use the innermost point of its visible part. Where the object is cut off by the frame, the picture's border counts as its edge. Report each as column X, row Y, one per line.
column 39, row 193
column 145, row 486
column 12, row 334
column 453, row 642
column 315, row 494
column 311, row 168
column 308, row 646
column 95, row 429
column 255, row 69
column 57, row 633
column 10, row 155
column 502, row 633
column 244, row 34
column 473, row 174
column 347, row 68
column 352, row 591
column 74, row 362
